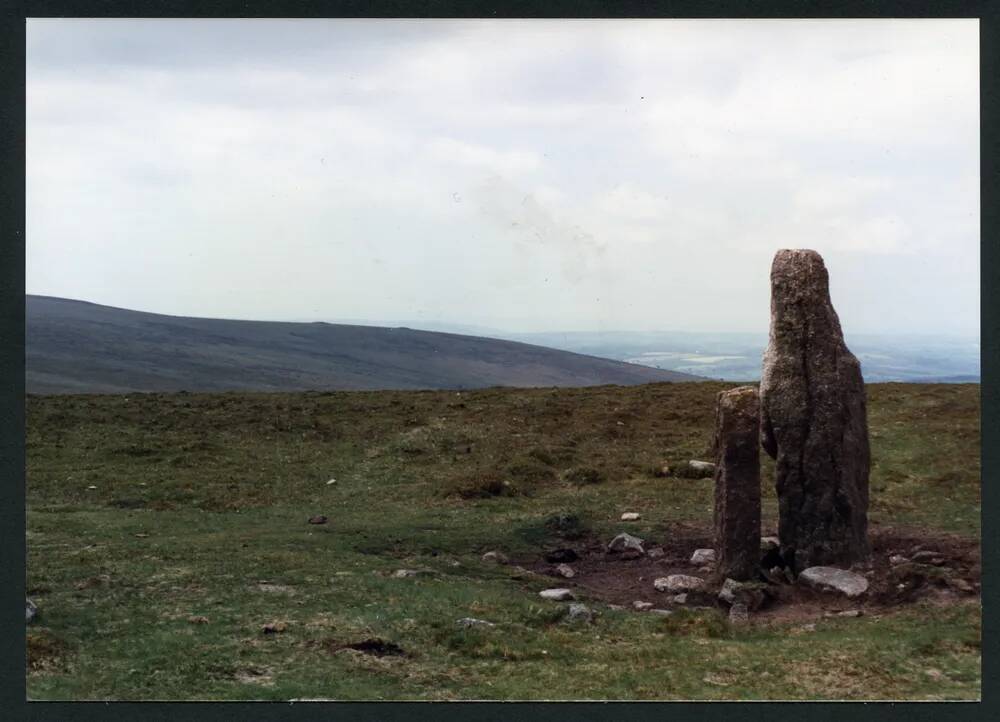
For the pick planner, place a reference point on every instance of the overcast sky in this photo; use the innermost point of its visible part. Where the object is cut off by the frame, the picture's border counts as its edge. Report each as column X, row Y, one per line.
column 519, row 175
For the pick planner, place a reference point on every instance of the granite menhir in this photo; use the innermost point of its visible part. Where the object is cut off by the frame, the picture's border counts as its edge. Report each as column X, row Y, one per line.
column 737, row 483
column 813, row 420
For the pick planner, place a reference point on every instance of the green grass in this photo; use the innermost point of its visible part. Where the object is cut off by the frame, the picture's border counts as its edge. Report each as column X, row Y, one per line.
column 200, row 510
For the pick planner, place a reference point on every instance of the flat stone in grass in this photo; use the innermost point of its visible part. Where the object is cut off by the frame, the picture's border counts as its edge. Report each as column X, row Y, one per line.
column 473, row 622
column 495, row 557
column 678, row 583
column 626, row 542
column 405, row 573
column 832, row 579
column 705, row 467
column 642, row 606
column 557, row 595
column 631, row 516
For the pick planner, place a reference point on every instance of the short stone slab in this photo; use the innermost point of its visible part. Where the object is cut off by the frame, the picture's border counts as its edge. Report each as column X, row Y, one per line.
column 631, row 516
column 626, row 542
column 704, row 466
column 703, row 556
column 557, row 595
column 642, row 606
column 661, row 612
column 849, row 613
column 832, row 579
column 495, row 557
column 678, row 583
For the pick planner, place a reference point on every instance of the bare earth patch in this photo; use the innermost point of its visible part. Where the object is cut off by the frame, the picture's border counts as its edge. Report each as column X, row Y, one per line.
column 620, row 579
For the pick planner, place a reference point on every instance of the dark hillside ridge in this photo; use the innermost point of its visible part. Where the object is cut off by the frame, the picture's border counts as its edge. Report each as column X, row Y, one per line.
column 81, row 347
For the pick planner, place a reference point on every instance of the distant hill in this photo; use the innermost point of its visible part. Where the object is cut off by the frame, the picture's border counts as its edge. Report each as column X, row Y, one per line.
column 80, row 347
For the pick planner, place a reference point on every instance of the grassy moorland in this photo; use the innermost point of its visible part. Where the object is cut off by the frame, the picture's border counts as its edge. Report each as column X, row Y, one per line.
column 167, row 532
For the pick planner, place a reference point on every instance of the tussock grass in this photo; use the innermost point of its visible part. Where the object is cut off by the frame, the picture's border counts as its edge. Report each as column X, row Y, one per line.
column 200, row 510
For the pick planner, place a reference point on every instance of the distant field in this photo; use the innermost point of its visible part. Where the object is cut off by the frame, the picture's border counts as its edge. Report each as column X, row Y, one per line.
column 158, row 582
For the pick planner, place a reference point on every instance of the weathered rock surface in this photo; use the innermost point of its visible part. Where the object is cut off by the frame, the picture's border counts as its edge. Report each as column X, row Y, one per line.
column 814, row 420
column 706, row 467
column 642, row 606
column 831, row 579
column 678, row 583
column 631, row 516
column 625, row 542
column 703, row 556
column 557, row 595
column 737, row 482
column 495, row 557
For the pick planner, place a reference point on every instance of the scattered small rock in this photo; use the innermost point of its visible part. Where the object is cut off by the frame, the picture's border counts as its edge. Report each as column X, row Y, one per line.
column 706, row 467
column 318, row 519
column 557, row 595
column 565, row 570
column 403, row 573
column 925, row 556
column 332, row 481
column 703, row 556
column 625, row 542
column 91, row 487
column 655, row 553
column 496, row 557
column 832, row 579
column 558, row 556
column 850, row 613
column 961, row 585
column 616, row 607
column 642, row 606
column 679, row 598
column 198, row 619
column 661, row 612
column 739, row 614
column 631, row 516
column 897, row 559
column 706, row 569
column 30, row 611
column 752, row 595
column 679, row 583
column 579, row 613
column 473, row 622
column 274, row 627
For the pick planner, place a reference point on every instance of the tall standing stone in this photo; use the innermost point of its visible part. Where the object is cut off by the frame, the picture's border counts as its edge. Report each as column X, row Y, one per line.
column 813, row 419
column 737, row 483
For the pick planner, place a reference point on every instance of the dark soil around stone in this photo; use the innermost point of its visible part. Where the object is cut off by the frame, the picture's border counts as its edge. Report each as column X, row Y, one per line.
column 617, row 579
